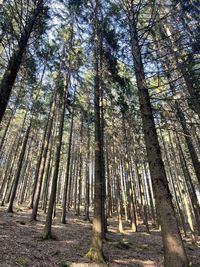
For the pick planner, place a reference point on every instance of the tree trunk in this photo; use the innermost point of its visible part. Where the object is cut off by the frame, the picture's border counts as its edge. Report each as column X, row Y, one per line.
column 13, row 67
column 47, row 234
column 96, row 251
column 174, row 252
column 189, row 142
column 66, row 182
column 20, row 162
column 87, row 177
column 42, row 159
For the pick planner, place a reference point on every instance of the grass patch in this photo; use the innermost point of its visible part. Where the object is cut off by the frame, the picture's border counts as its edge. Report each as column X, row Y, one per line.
column 21, row 262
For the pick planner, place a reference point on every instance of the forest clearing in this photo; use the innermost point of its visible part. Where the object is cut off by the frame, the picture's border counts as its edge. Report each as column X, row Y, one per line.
column 100, row 133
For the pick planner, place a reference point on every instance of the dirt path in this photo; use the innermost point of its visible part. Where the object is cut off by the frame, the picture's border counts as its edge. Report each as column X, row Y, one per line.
column 21, row 245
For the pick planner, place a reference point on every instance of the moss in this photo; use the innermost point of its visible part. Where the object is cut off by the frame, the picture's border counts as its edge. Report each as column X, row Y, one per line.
column 89, row 254
column 65, row 264
column 96, row 256
column 22, row 262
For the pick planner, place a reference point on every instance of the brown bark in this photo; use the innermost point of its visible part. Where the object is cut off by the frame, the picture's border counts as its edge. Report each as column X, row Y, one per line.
column 174, row 252
column 96, row 251
column 18, row 171
column 47, row 234
column 42, row 159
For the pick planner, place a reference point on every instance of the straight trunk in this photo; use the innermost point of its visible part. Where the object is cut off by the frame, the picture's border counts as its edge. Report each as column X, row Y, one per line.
column 66, row 182
column 19, row 167
column 47, row 234
column 96, row 251
column 174, row 252
column 42, row 159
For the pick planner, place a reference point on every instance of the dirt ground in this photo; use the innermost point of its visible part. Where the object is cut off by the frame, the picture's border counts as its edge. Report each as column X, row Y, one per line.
column 21, row 243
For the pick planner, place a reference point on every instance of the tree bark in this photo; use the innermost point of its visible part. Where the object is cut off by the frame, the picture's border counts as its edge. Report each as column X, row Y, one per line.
column 42, row 159
column 20, row 162
column 174, row 252
column 47, row 234
column 96, row 251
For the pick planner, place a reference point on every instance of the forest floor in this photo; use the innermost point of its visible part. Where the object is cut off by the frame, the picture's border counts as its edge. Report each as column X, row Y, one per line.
column 21, row 243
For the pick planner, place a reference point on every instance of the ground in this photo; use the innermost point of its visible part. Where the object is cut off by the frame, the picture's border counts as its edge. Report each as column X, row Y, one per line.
column 21, row 243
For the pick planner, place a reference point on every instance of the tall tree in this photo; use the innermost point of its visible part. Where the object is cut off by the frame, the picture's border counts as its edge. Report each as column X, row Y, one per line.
column 96, row 251
column 15, row 61
column 174, row 251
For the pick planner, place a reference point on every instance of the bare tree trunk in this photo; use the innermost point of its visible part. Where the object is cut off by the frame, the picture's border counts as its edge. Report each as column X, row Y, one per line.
column 96, row 251
column 42, row 159
column 189, row 142
column 47, row 234
column 192, row 192
column 20, row 162
column 87, row 177
column 174, row 252
column 66, row 182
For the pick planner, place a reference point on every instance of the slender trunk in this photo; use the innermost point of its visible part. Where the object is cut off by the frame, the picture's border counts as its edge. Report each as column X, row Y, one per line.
column 87, row 178
column 42, row 160
column 96, row 251
column 66, row 182
column 175, row 188
column 18, row 171
column 192, row 151
column 71, row 177
column 153, row 214
column 48, row 224
column 192, row 192
column 109, row 189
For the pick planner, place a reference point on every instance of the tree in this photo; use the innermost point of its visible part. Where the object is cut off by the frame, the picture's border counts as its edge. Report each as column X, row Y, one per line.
column 96, row 251
column 175, row 254
column 15, row 61
column 47, row 234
